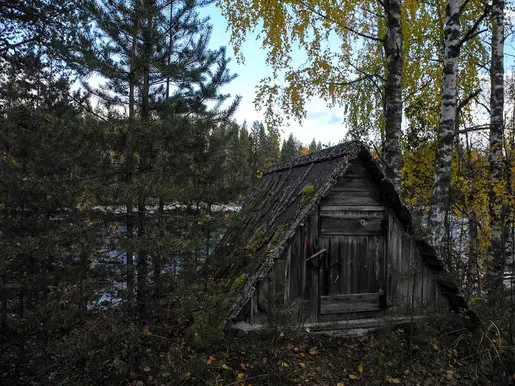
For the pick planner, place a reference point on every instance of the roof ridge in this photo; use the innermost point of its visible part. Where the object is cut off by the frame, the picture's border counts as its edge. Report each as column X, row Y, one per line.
column 337, row 151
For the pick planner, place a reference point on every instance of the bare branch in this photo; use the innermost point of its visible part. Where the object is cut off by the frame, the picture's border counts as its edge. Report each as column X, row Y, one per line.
column 485, row 106
column 372, row 76
column 382, row 4
column 357, row 80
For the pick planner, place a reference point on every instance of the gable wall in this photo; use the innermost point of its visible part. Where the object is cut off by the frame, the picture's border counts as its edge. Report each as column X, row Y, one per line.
column 337, row 226
column 408, row 277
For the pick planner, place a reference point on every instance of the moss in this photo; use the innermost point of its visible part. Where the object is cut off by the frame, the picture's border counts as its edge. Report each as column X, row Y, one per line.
column 238, row 283
column 208, row 324
column 276, row 237
column 308, row 192
column 257, row 240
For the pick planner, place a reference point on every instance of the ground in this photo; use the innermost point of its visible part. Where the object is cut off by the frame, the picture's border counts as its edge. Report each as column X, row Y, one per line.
column 439, row 356
column 109, row 350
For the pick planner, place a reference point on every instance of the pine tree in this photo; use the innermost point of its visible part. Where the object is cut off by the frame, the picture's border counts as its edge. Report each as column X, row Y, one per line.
column 155, row 58
column 47, row 160
column 244, row 158
column 48, row 25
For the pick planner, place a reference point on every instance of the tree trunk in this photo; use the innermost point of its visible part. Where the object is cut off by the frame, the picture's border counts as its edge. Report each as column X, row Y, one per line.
column 129, row 170
column 170, row 46
column 496, row 251
column 438, row 219
column 472, row 284
column 3, row 317
column 156, row 257
column 393, row 92
column 145, row 116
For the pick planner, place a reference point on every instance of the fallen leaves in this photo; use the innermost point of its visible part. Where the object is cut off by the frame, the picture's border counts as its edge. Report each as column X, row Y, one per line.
column 305, row 359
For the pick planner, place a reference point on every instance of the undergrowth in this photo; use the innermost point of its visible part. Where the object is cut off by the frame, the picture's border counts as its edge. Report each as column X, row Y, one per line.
column 108, row 351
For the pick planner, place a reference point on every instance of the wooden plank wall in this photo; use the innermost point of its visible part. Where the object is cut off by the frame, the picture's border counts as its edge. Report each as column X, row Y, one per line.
column 368, row 252
column 408, row 276
column 292, row 277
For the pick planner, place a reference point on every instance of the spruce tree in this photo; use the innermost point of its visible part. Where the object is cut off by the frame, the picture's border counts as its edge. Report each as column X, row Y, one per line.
column 290, row 148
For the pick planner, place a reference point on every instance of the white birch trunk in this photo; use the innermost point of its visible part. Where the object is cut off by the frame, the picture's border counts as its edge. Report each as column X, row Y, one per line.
column 496, row 251
column 447, row 126
column 393, row 92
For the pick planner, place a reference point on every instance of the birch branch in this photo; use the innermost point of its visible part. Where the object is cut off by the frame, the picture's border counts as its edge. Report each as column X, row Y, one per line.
column 473, row 31
column 324, row 16
column 472, row 128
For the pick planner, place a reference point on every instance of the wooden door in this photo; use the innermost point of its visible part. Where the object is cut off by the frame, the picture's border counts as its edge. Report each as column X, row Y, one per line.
column 352, row 275
column 353, row 224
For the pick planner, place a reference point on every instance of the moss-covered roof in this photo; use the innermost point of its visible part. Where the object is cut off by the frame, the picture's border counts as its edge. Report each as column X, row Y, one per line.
column 285, row 195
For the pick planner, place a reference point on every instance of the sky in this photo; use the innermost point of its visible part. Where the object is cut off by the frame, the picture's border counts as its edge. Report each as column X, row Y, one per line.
column 322, row 123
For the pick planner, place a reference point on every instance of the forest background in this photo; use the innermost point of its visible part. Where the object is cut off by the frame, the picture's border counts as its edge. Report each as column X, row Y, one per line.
column 114, row 193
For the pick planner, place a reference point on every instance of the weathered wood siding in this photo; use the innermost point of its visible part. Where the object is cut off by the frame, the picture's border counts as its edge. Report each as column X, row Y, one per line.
column 291, row 278
column 409, row 277
column 351, row 258
column 352, row 229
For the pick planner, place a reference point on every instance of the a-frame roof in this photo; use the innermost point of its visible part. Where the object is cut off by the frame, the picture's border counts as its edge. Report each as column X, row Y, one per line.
column 285, row 195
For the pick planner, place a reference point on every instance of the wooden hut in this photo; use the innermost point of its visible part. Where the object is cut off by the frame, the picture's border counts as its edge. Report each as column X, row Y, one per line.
column 329, row 231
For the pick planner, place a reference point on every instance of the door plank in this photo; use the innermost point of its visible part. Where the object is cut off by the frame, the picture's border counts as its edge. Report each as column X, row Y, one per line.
column 337, row 304
column 351, row 226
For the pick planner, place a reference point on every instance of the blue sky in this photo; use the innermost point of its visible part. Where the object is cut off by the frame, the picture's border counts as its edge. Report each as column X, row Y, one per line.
column 321, row 123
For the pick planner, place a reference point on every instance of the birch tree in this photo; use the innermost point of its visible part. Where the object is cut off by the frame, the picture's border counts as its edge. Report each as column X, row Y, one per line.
column 496, row 252
column 446, row 128
column 453, row 42
column 330, row 74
